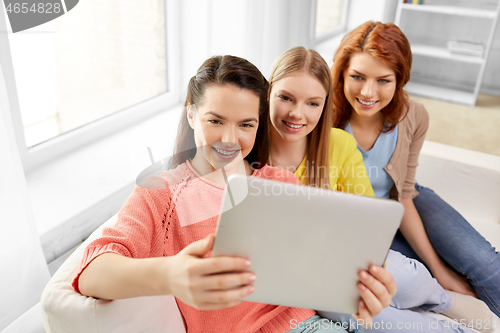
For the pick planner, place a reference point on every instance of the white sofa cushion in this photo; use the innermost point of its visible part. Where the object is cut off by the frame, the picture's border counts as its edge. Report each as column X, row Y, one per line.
column 467, row 180
column 64, row 310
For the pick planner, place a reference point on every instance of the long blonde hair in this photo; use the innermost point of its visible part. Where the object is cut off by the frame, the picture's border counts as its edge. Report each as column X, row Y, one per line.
column 301, row 60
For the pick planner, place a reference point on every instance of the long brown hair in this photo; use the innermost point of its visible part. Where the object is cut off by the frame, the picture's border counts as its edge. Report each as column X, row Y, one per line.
column 386, row 42
column 221, row 70
column 299, row 60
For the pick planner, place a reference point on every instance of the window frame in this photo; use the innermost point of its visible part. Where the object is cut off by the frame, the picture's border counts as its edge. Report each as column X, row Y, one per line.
column 332, row 32
column 51, row 149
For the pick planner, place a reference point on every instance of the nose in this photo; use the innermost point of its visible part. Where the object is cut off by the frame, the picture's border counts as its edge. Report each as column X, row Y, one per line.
column 297, row 111
column 368, row 89
column 230, row 135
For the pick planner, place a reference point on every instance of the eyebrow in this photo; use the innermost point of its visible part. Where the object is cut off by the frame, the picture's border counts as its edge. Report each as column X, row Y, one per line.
column 224, row 118
column 380, row 77
column 289, row 93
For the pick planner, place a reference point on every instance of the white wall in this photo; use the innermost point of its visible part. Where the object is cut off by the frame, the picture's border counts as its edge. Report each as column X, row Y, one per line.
column 358, row 12
column 361, row 11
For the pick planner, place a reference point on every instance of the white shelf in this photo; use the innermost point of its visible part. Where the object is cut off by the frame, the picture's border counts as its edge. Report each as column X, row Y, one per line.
column 439, row 93
column 450, row 10
column 443, row 53
column 443, row 13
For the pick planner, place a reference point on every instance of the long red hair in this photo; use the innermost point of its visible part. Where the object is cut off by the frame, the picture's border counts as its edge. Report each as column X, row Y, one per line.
column 386, row 42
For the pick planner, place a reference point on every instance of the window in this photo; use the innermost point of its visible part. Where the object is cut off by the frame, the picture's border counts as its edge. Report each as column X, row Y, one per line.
column 101, row 61
column 330, row 18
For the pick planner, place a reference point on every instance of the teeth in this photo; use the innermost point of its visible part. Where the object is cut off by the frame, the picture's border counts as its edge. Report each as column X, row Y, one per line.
column 293, row 126
column 366, row 103
column 225, row 152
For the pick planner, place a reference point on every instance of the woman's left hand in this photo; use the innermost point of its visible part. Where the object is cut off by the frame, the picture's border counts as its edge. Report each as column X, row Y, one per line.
column 376, row 287
column 450, row 280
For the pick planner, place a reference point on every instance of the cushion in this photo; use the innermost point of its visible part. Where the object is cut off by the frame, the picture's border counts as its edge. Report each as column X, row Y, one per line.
column 64, row 310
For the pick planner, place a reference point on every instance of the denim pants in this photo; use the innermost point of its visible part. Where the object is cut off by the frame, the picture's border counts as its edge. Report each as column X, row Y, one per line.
column 416, row 289
column 459, row 244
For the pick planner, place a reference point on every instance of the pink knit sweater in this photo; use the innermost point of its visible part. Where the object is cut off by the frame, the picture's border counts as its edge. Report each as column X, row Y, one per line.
column 178, row 208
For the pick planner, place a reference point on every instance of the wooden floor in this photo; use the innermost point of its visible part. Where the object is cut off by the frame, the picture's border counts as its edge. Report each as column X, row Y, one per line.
column 475, row 128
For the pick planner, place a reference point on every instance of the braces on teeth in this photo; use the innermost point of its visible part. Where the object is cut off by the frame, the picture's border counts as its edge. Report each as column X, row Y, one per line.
column 225, row 152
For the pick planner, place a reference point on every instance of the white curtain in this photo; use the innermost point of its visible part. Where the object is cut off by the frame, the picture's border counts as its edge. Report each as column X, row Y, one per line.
column 257, row 30
column 23, row 270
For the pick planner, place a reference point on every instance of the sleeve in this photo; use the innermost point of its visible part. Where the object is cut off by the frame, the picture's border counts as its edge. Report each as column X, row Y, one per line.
column 292, row 178
column 134, row 234
column 417, row 140
column 352, row 176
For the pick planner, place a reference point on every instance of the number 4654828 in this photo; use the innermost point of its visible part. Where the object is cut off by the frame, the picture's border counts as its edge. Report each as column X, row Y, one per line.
column 47, row 8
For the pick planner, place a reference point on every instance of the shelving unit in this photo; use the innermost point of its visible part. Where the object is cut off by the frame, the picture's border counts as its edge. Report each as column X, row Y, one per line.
column 449, row 10
column 430, row 52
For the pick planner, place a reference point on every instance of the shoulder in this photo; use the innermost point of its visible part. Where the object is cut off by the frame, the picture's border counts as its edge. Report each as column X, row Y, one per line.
column 278, row 174
column 180, row 174
column 160, row 183
column 342, row 145
column 417, row 113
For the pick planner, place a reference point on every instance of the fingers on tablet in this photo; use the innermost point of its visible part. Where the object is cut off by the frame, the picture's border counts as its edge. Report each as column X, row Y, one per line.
column 378, row 288
column 223, row 264
column 370, row 300
column 224, row 290
column 226, row 296
column 385, row 278
column 364, row 317
column 228, row 281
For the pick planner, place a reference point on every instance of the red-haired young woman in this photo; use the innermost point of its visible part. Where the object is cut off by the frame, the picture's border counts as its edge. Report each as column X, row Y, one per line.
column 371, row 67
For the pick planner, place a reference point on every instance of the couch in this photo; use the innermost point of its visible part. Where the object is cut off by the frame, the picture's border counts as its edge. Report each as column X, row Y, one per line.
column 469, row 181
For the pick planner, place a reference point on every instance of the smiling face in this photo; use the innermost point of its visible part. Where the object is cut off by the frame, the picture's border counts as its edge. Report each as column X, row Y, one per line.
column 225, row 126
column 296, row 103
column 369, row 85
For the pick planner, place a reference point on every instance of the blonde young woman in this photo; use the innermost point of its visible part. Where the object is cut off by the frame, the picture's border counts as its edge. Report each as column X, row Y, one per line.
column 302, row 141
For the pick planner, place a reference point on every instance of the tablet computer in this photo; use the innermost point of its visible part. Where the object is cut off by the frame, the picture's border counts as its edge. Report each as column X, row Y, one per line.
column 305, row 244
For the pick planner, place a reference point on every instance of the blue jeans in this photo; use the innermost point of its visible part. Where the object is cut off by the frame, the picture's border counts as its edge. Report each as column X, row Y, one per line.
column 458, row 244
column 416, row 289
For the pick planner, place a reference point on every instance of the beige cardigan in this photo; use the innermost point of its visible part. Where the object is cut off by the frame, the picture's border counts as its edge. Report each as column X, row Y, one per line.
column 403, row 163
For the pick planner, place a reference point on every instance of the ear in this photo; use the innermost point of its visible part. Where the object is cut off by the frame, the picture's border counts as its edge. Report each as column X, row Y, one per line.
column 191, row 115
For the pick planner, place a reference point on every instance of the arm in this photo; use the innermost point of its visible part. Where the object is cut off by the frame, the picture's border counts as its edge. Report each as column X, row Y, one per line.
column 411, row 225
column 187, row 276
column 128, row 261
column 414, row 232
column 112, row 276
